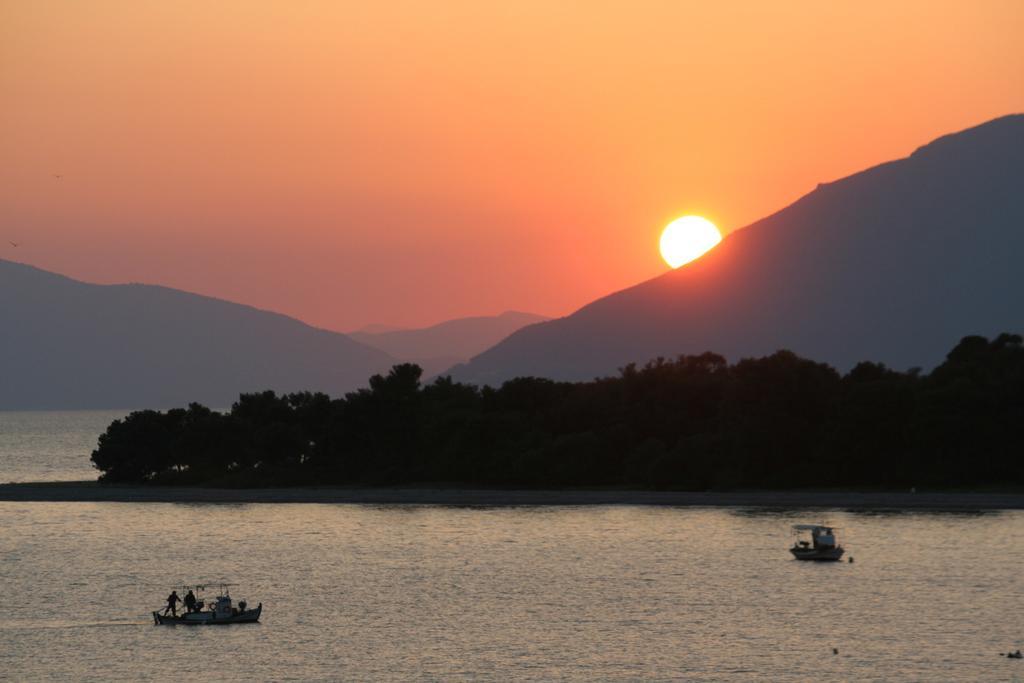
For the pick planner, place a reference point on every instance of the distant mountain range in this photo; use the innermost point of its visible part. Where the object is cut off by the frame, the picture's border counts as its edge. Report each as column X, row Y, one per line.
column 68, row 344
column 440, row 346
column 377, row 328
column 893, row 264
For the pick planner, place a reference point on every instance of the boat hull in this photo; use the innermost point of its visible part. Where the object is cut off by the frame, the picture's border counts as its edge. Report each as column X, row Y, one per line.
column 248, row 616
column 818, row 554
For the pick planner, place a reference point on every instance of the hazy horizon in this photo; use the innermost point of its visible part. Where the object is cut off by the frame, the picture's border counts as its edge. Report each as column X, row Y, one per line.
column 370, row 329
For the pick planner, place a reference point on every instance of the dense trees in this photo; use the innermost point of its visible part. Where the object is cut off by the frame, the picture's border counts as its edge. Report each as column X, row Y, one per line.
column 693, row 423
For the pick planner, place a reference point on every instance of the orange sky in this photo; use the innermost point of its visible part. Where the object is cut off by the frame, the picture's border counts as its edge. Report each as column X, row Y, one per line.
column 405, row 163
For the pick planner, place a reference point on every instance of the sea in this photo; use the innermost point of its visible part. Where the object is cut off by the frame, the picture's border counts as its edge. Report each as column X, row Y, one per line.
column 440, row 593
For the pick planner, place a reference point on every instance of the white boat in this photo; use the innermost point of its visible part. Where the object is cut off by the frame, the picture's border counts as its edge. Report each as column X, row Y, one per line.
column 219, row 611
column 822, row 546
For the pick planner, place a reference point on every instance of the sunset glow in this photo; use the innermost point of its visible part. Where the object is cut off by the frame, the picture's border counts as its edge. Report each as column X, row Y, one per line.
column 688, row 238
column 355, row 163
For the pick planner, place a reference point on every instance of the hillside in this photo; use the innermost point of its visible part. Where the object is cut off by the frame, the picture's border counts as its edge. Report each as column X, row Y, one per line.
column 893, row 264
column 440, row 346
column 67, row 344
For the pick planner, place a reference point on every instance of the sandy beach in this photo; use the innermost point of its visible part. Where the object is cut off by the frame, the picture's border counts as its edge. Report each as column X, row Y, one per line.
column 92, row 492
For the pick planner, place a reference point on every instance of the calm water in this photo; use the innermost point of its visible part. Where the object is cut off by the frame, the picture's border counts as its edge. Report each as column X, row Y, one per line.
column 51, row 445
column 438, row 593
column 432, row 593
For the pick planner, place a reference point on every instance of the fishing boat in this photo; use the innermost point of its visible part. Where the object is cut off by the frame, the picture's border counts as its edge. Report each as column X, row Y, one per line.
column 822, row 546
column 217, row 611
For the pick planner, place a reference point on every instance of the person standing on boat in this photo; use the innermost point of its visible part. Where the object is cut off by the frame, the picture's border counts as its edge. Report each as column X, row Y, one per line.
column 172, row 603
column 190, row 601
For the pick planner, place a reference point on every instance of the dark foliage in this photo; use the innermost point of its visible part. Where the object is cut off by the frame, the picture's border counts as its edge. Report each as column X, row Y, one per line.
column 694, row 423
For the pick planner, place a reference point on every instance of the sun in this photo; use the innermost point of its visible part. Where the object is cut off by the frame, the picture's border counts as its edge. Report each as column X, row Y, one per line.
column 688, row 238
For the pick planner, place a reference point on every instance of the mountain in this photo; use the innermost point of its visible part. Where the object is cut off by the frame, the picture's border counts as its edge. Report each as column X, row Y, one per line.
column 893, row 264
column 440, row 346
column 68, row 344
column 376, row 328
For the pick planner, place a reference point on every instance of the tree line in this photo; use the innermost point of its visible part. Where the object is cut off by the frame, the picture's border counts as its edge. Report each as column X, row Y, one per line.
column 692, row 423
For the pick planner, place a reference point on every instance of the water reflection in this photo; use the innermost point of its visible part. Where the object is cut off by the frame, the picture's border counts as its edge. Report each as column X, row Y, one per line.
column 602, row 593
column 818, row 513
column 51, row 445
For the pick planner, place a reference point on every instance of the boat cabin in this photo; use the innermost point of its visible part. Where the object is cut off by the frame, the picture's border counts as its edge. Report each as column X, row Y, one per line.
column 816, row 542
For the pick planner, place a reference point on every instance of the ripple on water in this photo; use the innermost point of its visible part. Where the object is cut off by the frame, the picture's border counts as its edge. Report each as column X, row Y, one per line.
column 600, row 593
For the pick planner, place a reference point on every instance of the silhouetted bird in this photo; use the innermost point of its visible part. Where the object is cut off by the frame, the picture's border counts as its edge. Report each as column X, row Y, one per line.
column 57, row 176
column 15, row 244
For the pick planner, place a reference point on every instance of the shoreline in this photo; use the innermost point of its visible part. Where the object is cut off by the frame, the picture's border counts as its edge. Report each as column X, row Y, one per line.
column 91, row 492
